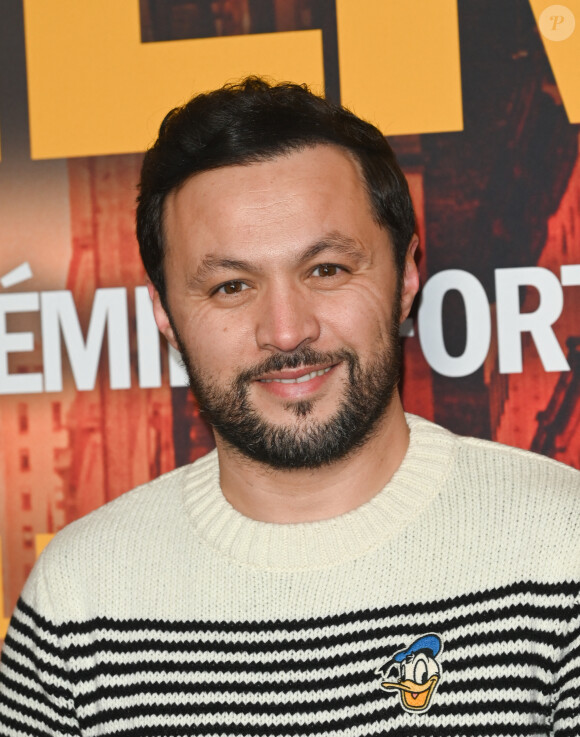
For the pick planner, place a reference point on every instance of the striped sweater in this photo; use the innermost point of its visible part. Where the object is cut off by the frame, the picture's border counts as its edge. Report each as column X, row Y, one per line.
column 448, row 605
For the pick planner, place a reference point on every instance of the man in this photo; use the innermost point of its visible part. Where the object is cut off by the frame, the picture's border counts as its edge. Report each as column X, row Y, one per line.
column 334, row 567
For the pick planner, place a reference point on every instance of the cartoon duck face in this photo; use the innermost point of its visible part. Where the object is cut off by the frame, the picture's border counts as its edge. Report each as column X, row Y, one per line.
column 418, row 672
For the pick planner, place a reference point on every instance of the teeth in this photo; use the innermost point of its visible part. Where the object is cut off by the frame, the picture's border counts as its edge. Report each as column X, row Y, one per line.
column 300, row 379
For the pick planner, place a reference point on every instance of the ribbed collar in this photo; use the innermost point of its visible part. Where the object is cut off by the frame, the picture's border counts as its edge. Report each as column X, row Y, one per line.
column 329, row 542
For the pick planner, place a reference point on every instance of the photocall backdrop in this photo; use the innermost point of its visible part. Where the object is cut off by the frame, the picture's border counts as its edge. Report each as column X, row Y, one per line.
column 479, row 98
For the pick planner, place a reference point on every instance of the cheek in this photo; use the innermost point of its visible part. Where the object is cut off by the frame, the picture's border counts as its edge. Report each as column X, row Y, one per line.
column 216, row 340
column 359, row 314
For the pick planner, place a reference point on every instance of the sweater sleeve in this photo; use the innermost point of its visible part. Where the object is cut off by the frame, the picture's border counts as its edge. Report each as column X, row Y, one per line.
column 36, row 688
column 566, row 709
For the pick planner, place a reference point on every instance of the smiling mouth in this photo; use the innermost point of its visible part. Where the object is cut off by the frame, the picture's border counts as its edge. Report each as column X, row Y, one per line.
column 416, row 697
column 299, row 379
column 416, row 700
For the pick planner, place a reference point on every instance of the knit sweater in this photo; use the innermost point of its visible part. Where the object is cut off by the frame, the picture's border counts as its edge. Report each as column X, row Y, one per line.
column 447, row 605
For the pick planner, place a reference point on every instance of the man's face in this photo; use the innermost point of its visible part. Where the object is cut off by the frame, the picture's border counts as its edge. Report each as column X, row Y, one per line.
column 285, row 304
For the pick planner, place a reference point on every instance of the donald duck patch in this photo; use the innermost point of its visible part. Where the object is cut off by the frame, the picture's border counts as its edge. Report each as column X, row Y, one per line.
column 414, row 673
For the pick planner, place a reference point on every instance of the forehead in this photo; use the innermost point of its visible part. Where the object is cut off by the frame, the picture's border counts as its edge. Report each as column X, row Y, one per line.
column 281, row 201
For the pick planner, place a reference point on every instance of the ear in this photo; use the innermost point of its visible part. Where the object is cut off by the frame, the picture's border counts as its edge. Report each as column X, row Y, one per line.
column 410, row 278
column 161, row 316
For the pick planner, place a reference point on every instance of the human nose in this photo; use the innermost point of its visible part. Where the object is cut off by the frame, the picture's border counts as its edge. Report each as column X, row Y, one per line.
column 286, row 320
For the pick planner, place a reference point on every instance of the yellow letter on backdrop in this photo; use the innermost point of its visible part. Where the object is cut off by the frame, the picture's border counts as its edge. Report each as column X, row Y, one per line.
column 3, row 620
column 95, row 89
column 399, row 64
column 42, row 540
column 563, row 50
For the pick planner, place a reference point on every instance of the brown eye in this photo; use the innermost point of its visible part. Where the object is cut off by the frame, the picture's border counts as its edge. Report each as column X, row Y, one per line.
column 232, row 287
column 326, row 270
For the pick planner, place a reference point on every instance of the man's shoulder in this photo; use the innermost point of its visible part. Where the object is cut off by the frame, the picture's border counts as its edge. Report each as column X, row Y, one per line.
column 497, row 458
column 156, row 504
column 102, row 559
column 487, row 467
column 516, row 510
column 527, row 496
column 474, row 449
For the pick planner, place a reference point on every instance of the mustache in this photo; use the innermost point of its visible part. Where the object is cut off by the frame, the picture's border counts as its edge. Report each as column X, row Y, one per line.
column 300, row 357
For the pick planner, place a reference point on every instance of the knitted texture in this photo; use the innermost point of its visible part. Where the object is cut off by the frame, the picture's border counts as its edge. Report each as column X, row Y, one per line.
column 448, row 605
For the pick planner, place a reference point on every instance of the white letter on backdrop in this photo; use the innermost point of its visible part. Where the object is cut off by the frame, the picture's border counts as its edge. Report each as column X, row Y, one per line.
column 477, row 316
column 177, row 372
column 110, row 311
column 148, row 356
column 570, row 275
column 511, row 323
column 17, row 343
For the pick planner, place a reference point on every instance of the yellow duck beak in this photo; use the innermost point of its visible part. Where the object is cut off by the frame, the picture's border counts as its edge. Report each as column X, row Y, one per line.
column 415, row 696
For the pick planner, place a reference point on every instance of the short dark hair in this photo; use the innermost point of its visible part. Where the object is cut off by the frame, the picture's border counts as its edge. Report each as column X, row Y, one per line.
column 253, row 121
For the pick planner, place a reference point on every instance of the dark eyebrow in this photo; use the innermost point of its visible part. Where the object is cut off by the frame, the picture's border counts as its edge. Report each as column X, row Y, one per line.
column 336, row 242
column 212, row 264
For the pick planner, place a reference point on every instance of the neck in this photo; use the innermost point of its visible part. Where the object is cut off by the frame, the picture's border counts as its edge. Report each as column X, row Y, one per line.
column 307, row 495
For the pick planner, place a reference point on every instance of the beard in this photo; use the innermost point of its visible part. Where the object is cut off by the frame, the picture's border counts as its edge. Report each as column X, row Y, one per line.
column 306, row 443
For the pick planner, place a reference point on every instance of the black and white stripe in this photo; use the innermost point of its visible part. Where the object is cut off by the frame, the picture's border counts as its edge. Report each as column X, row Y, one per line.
column 510, row 664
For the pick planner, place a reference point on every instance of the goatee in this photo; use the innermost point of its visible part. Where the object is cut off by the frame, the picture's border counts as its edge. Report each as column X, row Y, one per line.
column 306, row 442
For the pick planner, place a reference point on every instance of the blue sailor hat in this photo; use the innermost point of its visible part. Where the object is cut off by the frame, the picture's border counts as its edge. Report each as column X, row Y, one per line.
column 427, row 642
